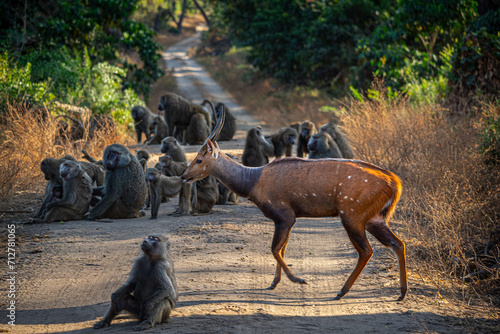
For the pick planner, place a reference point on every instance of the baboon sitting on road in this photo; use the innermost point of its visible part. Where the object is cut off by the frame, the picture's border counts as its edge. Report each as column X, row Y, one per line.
column 204, row 195
column 143, row 122
column 150, row 292
column 160, row 132
column 125, row 190
column 75, row 198
column 257, row 149
column 338, row 136
column 169, row 167
column 170, row 146
column 283, row 141
column 321, row 145
column 306, row 130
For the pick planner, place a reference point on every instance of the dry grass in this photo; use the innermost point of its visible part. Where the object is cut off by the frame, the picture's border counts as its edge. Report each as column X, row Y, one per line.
column 26, row 138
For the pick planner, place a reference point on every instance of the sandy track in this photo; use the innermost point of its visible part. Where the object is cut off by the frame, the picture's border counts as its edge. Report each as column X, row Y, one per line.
column 67, row 272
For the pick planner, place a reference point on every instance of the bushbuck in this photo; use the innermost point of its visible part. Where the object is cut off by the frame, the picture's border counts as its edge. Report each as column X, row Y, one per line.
column 363, row 195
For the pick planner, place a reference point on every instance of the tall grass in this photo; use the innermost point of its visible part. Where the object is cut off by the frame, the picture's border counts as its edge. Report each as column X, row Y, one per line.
column 449, row 194
column 27, row 137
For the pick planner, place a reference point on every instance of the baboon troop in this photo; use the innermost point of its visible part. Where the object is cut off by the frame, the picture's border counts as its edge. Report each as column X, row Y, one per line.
column 321, row 145
column 74, row 200
column 160, row 130
column 161, row 186
column 306, row 130
column 125, row 190
column 150, row 292
column 333, row 130
column 283, row 142
column 179, row 114
column 229, row 128
column 143, row 122
column 257, row 149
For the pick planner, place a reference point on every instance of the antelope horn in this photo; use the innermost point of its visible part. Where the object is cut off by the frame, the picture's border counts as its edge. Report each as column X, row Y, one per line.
column 219, row 125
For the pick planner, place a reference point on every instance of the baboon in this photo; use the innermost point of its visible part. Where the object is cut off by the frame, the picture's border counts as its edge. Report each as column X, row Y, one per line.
column 321, row 145
column 204, row 194
column 197, row 130
column 169, row 167
column 229, row 128
column 125, row 190
column 333, row 130
column 150, row 292
column 161, row 186
column 257, row 149
column 72, row 130
column 283, row 141
column 143, row 157
column 306, row 130
column 143, row 122
column 178, row 114
column 75, row 198
column 171, row 146
column 160, row 132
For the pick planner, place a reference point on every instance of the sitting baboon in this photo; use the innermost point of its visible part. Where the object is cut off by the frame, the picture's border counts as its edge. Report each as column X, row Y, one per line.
column 125, row 190
column 161, row 186
column 197, row 130
column 150, row 292
column 169, row 167
column 178, row 114
column 257, row 149
column 170, row 146
column 143, row 122
column 160, row 130
column 143, row 157
column 229, row 128
column 333, row 130
column 204, row 194
column 75, row 197
column 283, row 141
column 321, row 145
column 306, row 130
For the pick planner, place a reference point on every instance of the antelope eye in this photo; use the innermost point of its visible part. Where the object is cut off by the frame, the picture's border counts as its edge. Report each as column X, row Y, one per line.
column 198, row 161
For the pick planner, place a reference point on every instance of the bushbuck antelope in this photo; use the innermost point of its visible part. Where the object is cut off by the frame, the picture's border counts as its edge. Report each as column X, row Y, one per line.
column 364, row 196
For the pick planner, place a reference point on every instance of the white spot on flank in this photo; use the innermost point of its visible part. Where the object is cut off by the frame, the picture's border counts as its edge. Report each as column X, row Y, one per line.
column 314, row 194
column 330, row 195
column 352, row 199
column 340, row 184
column 204, row 168
column 352, row 209
column 345, row 197
column 349, row 177
column 341, row 211
column 202, row 174
column 366, row 180
column 340, row 193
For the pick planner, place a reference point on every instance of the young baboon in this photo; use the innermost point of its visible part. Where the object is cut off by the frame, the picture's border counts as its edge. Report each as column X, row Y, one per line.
column 178, row 113
column 204, row 195
column 171, row 146
column 161, row 186
column 321, row 145
column 169, row 167
column 143, row 122
column 338, row 136
column 283, row 141
column 125, row 190
column 160, row 132
column 306, row 130
column 229, row 128
column 143, row 157
column 75, row 198
column 197, row 130
column 150, row 292
column 257, row 149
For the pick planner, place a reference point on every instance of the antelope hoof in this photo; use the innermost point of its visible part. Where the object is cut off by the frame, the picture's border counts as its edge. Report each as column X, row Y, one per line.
column 339, row 295
column 271, row 287
column 298, row 280
column 401, row 297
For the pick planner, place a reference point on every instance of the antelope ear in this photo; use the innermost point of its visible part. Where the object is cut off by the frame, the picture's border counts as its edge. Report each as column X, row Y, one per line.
column 212, row 148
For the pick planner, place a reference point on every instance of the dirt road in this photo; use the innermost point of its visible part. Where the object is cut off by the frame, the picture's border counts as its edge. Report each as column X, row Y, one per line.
column 66, row 272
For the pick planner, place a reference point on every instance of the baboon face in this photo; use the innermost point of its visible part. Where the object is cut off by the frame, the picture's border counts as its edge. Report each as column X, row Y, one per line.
column 116, row 156
column 165, row 161
column 168, row 144
column 141, row 154
column 137, row 113
column 152, row 174
column 69, row 169
column 50, row 168
column 289, row 136
column 57, row 191
column 330, row 129
column 155, row 246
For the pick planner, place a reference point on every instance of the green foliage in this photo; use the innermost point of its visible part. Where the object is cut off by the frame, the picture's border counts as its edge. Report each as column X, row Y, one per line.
column 490, row 135
column 16, row 85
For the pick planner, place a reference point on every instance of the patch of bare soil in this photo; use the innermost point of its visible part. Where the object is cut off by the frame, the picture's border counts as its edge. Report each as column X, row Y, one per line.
column 66, row 272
